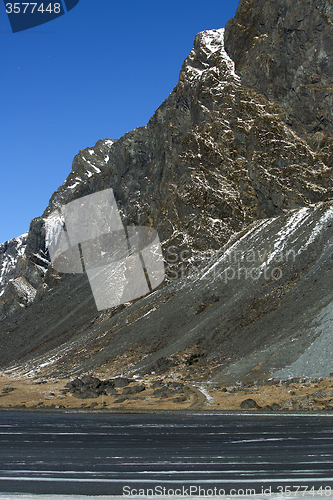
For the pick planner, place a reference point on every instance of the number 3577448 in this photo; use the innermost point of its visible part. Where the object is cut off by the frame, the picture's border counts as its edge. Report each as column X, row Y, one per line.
column 30, row 8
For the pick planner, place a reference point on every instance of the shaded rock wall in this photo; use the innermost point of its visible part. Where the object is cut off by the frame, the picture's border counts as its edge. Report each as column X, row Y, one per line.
column 284, row 50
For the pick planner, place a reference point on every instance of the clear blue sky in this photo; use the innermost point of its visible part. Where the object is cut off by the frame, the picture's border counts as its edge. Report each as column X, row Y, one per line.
column 96, row 72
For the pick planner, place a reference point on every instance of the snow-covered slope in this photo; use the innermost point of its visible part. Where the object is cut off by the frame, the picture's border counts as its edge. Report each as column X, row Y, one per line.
column 253, row 311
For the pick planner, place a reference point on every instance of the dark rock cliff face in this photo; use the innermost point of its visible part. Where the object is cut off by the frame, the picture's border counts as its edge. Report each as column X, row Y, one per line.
column 229, row 147
column 214, row 156
column 284, row 49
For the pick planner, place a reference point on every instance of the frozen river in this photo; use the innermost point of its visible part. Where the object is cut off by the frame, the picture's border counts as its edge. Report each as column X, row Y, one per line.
column 173, row 455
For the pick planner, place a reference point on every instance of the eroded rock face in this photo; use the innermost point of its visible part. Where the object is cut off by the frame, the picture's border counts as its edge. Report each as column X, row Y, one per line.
column 10, row 251
column 284, row 50
column 214, row 156
column 24, row 262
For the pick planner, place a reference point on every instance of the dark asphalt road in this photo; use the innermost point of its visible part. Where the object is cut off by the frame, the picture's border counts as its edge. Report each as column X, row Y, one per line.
column 100, row 454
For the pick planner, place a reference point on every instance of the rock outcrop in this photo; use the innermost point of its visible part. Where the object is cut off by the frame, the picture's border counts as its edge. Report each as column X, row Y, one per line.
column 10, row 252
column 284, row 50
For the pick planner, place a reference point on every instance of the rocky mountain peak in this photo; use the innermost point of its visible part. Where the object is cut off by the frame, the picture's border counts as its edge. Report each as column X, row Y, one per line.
column 208, row 53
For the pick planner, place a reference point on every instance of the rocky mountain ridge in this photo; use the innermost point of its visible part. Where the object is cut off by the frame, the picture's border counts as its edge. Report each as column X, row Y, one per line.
column 223, row 162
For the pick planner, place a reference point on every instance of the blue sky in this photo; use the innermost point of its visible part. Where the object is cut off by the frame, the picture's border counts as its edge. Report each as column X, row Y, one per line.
column 96, row 72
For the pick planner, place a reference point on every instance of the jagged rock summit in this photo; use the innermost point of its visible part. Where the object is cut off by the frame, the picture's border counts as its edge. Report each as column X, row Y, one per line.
column 234, row 171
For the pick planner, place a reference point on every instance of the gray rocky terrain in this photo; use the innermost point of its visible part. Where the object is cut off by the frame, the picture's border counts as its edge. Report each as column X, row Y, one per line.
column 234, row 171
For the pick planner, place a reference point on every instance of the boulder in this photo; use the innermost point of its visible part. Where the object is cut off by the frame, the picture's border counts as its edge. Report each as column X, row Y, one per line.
column 121, row 382
column 249, row 404
column 74, row 384
column 92, row 382
column 133, row 390
column 163, row 392
column 86, row 394
column 111, row 391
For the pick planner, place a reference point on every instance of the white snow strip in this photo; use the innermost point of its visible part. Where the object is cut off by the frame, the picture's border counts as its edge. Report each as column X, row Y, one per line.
column 291, row 226
column 151, row 310
column 225, row 256
column 40, row 257
column 294, row 480
column 53, row 227
column 73, row 185
column 205, row 392
column 41, row 269
column 327, row 217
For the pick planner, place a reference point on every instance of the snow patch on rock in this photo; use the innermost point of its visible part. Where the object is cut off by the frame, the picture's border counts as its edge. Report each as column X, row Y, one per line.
column 53, row 227
column 10, row 251
column 24, row 289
